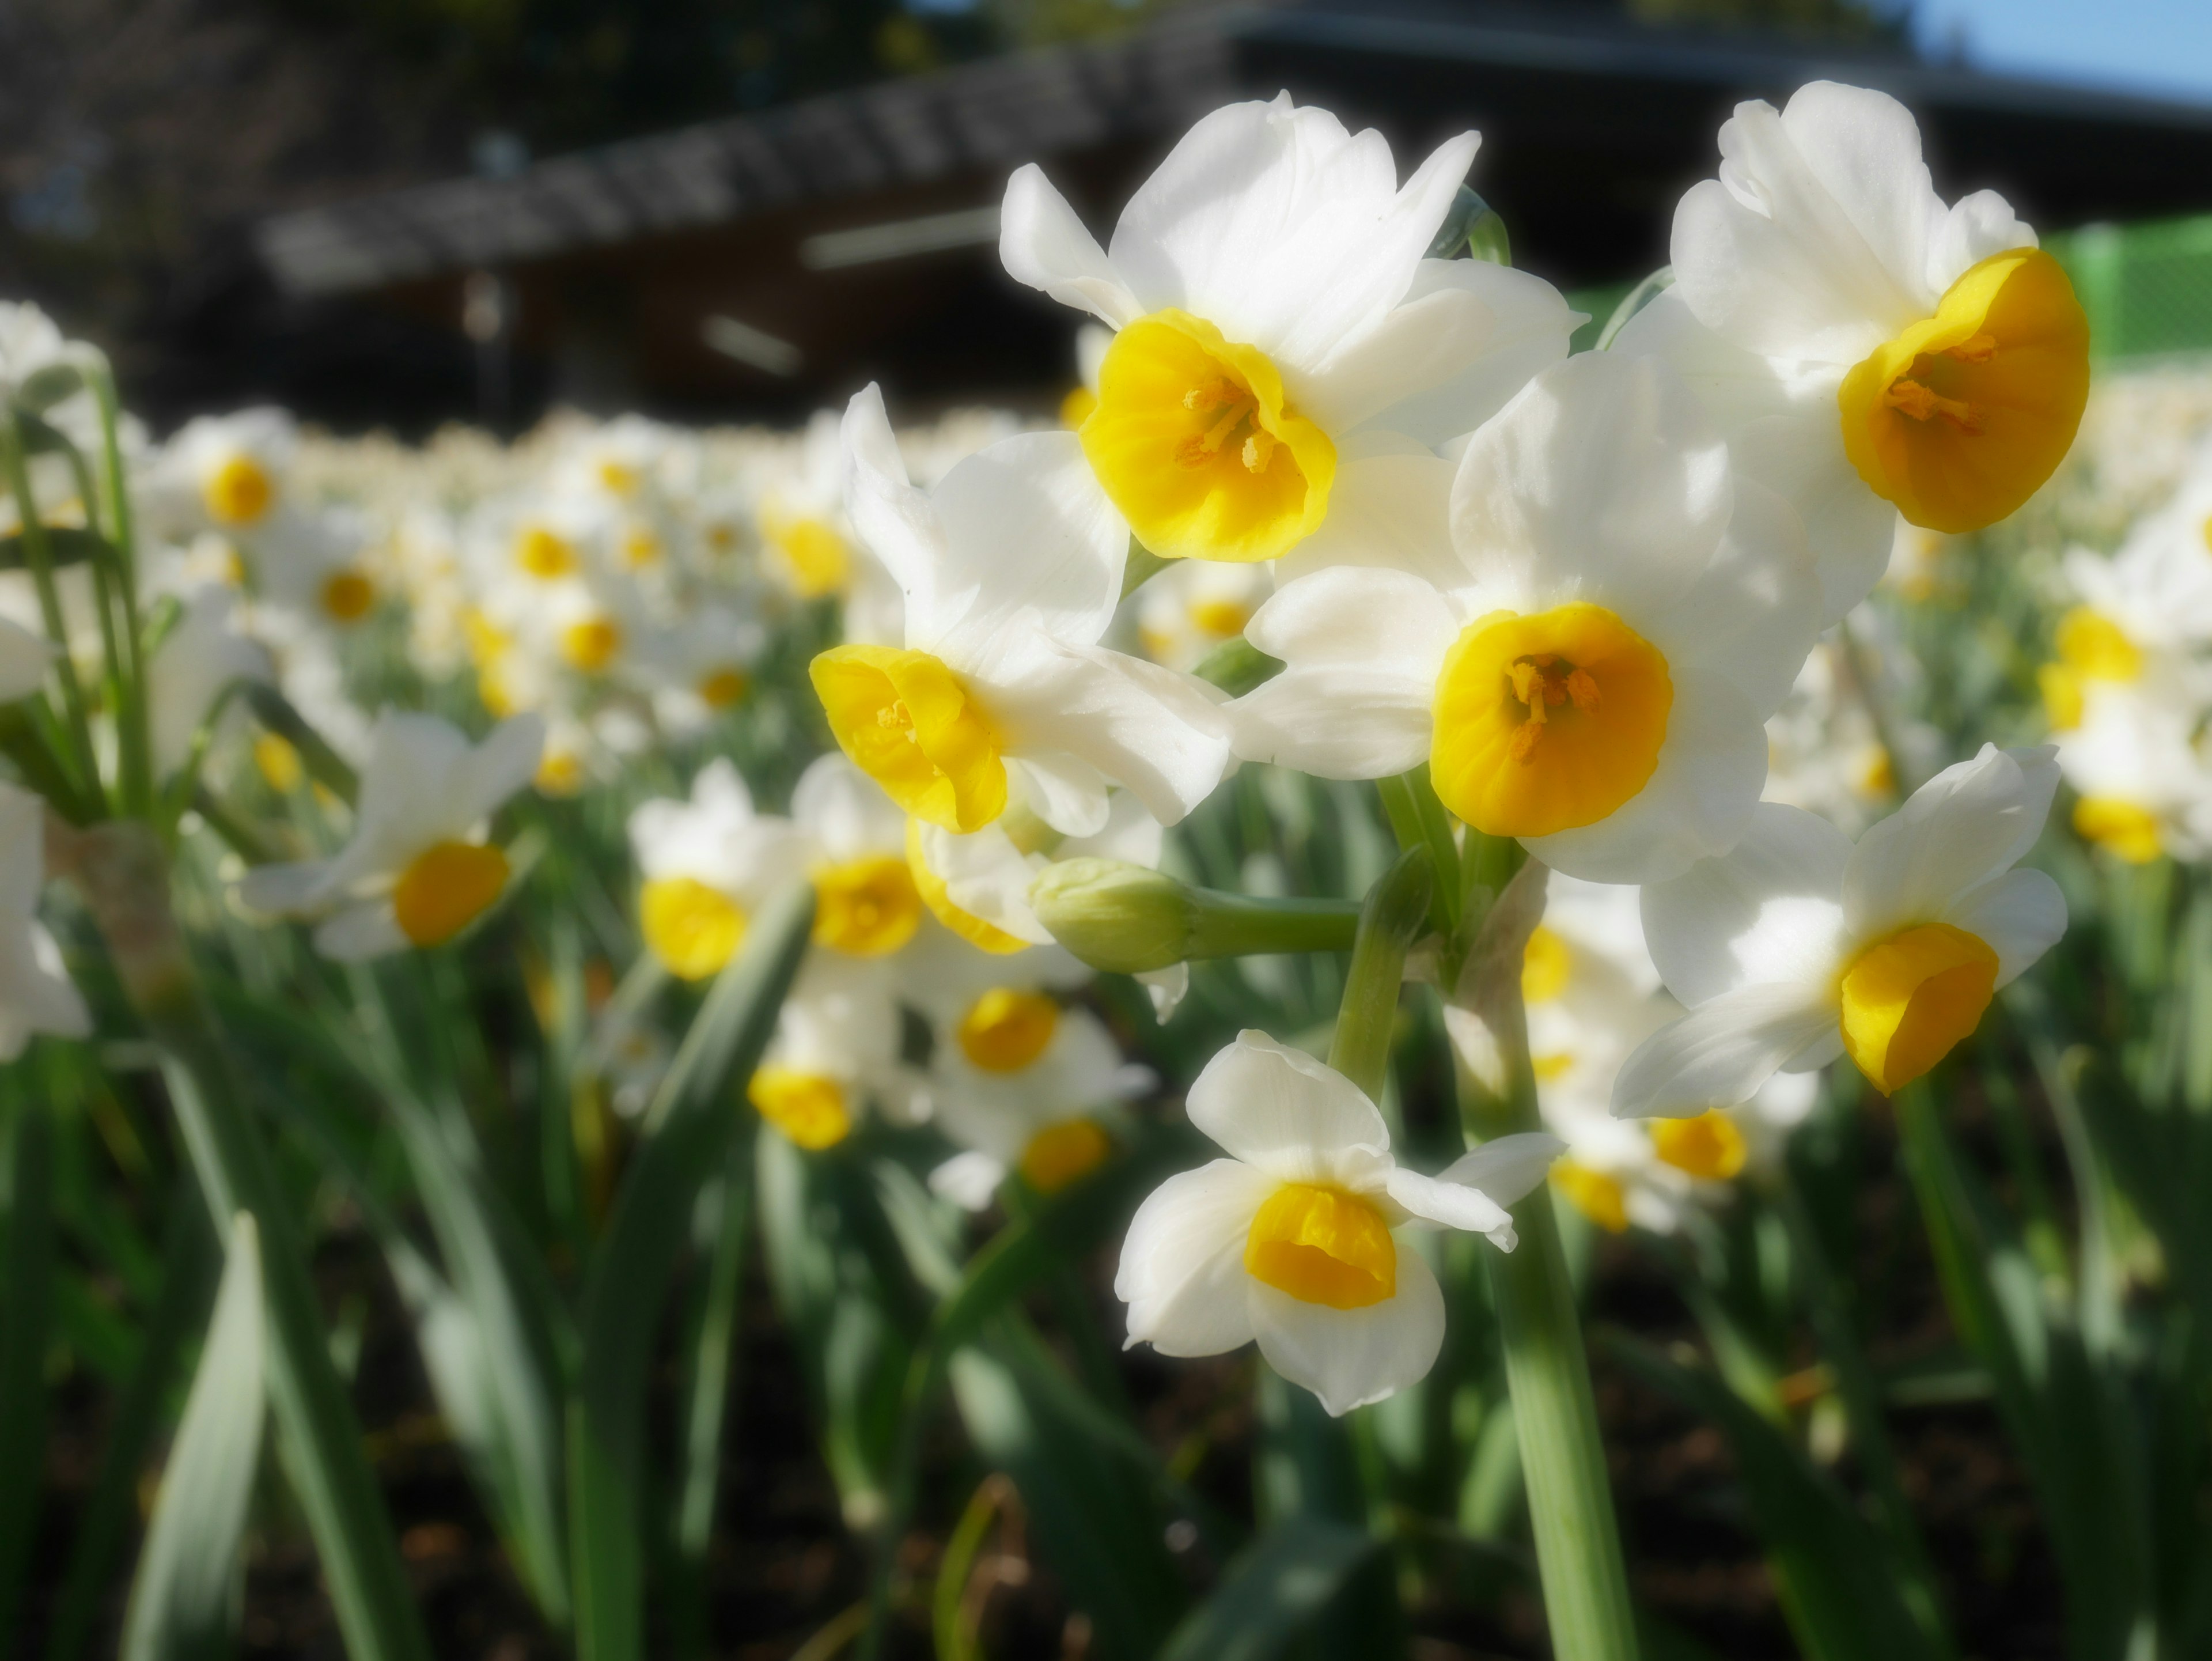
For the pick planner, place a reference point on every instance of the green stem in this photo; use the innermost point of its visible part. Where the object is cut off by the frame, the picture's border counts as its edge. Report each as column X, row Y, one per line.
column 38, row 554
column 1396, row 909
column 1235, row 926
column 1416, row 815
column 135, row 747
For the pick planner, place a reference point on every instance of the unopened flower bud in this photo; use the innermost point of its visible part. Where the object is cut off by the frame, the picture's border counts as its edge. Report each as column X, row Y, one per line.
column 1115, row 916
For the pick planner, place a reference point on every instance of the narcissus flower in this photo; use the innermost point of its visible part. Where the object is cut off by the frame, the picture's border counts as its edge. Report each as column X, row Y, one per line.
column 1292, row 1240
column 1863, row 345
column 419, row 868
column 865, row 901
column 2137, row 762
column 36, row 994
column 1284, row 354
column 1011, row 569
column 837, row 1052
column 1585, row 666
column 709, row 863
column 1797, row 947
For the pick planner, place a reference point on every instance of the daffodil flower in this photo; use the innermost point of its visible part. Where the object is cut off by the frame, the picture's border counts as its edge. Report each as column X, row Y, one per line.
column 1292, row 1240
column 1285, row 355
column 1011, row 569
column 709, row 863
column 1796, row 947
column 866, row 903
column 419, row 868
column 2137, row 762
column 202, row 653
column 836, row 1052
column 1586, row 664
column 36, row 994
column 1864, row 345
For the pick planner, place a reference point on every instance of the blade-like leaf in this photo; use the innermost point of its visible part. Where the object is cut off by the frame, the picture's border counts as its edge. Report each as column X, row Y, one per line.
column 1271, row 1593
column 23, row 1318
column 185, row 1597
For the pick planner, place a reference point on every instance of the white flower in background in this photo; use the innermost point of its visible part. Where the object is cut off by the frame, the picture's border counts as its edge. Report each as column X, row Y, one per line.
column 805, row 538
column 36, row 994
column 619, row 461
column 202, row 653
column 834, row 1052
column 25, row 657
column 1090, row 343
column 1864, row 346
column 708, row 864
column 1187, row 611
column 2140, row 620
column 1796, row 947
column 865, row 901
column 229, row 472
column 1586, row 664
column 1011, row 569
column 419, row 868
column 2137, row 764
column 1823, row 753
column 1290, row 1240
column 1286, row 355
column 702, row 667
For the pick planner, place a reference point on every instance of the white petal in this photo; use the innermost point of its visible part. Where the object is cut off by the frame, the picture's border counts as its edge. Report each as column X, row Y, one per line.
column 1437, row 1200
column 1167, row 988
column 504, row 762
column 1530, row 322
column 370, row 929
column 895, row 520
column 1722, row 1051
column 1338, row 721
column 1350, row 1357
column 2019, row 915
column 1044, row 244
column 1347, row 615
column 969, row 1180
column 1602, row 481
column 1768, row 909
column 23, row 660
column 39, row 991
column 988, row 877
column 1068, row 792
column 1971, row 821
column 281, row 891
column 1864, row 147
column 1711, row 767
column 1975, row 227
column 1800, row 456
column 1389, row 506
column 22, row 851
column 1754, row 615
column 1507, row 1168
column 1281, row 1111
column 1182, row 1271
column 846, row 811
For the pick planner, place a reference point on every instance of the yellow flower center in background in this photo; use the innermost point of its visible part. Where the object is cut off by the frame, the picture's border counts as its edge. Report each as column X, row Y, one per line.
column 724, row 689
column 591, row 645
column 1908, row 998
column 560, row 773
column 907, row 723
column 2098, row 647
column 1709, row 1147
column 1060, row 1153
column 815, row 555
column 1545, row 966
column 937, row 895
column 640, row 548
column 544, row 554
column 807, row 1107
column 1548, row 720
column 1877, row 774
column 1193, row 441
column 618, row 478
column 1006, row 1030
column 692, row 928
column 1323, row 1246
column 239, row 492
column 1961, row 418
column 278, row 762
column 867, row 907
column 1599, row 1197
column 2119, row 827
column 446, row 888
column 1221, row 617
column 348, row 596
column 2063, row 699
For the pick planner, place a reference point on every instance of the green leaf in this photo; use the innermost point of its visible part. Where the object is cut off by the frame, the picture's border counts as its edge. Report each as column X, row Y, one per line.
column 184, row 1599
column 1271, row 1593
column 67, row 546
column 688, row 1124
column 24, row 1322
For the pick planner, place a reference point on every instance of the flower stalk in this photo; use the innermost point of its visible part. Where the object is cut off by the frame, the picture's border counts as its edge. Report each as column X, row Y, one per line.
column 1129, row 918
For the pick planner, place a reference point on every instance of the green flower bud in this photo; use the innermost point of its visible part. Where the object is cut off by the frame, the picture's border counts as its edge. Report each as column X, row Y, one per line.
column 1115, row 916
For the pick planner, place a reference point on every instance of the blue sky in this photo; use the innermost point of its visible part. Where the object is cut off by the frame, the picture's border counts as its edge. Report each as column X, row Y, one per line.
column 2163, row 47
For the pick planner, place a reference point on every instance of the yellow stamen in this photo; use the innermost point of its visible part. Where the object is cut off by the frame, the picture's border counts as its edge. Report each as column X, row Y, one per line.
column 446, row 888
column 1060, row 1153
column 1907, row 999
column 906, row 721
column 692, row 928
column 1323, row 1246
column 865, row 907
column 1006, row 1030
column 807, row 1107
column 239, row 492
column 1711, row 1147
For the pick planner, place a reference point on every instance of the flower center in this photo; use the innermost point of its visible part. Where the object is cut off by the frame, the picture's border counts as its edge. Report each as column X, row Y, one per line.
column 1547, row 721
column 1908, row 998
column 560, row 773
column 2123, row 828
column 1060, row 1153
column 278, row 763
column 1323, row 1246
column 1962, row 416
column 1598, row 1196
column 692, row 928
column 906, row 721
column 445, row 889
column 1006, row 1030
column 1220, row 617
column 1711, row 1147
column 348, row 595
column 239, row 492
column 2098, row 647
column 591, row 645
column 1193, row 441
column 815, row 555
column 867, row 907
column 1545, row 966
column 723, row 689
column 640, row 548
column 807, row 1107
column 544, row 554
column 618, row 478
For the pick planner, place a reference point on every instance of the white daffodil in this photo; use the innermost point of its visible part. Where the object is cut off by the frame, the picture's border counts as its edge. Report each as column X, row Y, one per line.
column 708, row 864
column 228, row 472
column 29, row 342
column 419, row 868
column 805, row 538
column 36, row 994
column 836, row 1051
column 201, row 655
column 1188, row 610
column 1586, row 664
column 701, row 668
column 1011, row 569
column 1797, row 947
column 1289, row 1241
column 1823, row 753
column 1285, row 354
column 2140, row 620
column 2137, row 763
column 1863, row 346
column 867, row 904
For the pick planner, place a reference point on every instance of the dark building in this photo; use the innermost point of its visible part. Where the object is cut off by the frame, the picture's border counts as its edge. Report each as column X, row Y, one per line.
column 759, row 265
